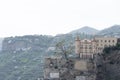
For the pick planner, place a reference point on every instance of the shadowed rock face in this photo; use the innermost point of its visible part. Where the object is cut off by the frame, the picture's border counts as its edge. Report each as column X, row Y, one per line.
column 110, row 67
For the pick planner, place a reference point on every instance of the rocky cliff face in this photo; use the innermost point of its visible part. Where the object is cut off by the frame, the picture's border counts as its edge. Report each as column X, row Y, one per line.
column 109, row 69
column 26, row 43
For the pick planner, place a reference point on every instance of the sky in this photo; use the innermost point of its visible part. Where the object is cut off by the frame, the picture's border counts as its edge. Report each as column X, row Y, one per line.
column 51, row 17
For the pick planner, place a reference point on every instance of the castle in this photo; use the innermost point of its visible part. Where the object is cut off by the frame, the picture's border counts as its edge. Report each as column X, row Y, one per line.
column 82, row 68
column 88, row 48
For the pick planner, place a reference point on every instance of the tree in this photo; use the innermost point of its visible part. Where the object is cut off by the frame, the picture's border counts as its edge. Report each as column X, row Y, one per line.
column 64, row 49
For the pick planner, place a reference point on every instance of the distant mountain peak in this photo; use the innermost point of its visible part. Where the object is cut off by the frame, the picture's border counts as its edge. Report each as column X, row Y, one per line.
column 85, row 29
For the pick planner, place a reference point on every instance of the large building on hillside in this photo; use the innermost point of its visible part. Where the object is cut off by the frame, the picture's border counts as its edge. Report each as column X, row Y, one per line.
column 87, row 48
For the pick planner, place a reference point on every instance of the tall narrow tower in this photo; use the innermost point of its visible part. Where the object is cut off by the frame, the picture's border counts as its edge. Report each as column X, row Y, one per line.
column 77, row 45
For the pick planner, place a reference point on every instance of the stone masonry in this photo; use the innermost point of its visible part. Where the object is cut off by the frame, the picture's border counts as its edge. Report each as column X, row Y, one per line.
column 71, row 69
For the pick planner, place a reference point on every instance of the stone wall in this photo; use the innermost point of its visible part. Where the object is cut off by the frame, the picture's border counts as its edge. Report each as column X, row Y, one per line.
column 71, row 69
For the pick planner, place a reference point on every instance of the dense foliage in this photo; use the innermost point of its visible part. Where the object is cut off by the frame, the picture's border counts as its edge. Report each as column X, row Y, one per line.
column 107, row 50
column 109, row 69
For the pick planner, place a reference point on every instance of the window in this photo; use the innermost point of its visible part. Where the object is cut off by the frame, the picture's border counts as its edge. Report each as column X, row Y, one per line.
column 105, row 40
column 109, row 41
column 90, row 47
column 113, row 41
column 101, row 40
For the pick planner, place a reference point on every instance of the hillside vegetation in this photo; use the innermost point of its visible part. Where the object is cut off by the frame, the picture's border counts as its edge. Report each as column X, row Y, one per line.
column 22, row 57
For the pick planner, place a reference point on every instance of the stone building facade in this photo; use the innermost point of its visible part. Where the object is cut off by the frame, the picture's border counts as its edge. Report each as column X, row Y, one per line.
column 71, row 69
column 87, row 48
column 75, row 68
column 105, row 42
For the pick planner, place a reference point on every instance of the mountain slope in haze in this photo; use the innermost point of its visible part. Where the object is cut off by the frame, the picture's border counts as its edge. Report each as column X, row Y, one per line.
column 26, row 43
column 1, row 39
column 23, row 56
column 86, row 30
column 111, row 31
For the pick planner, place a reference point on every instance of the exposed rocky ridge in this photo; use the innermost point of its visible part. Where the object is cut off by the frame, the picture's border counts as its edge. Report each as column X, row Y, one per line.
column 109, row 69
column 25, row 43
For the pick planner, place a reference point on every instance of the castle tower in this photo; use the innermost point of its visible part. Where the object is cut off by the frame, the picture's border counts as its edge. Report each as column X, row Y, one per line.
column 77, row 45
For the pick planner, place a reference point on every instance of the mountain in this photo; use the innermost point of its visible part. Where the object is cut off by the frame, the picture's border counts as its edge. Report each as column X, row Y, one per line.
column 86, row 30
column 26, row 43
column 111, row 31
column 23, row 56
column 1, row 39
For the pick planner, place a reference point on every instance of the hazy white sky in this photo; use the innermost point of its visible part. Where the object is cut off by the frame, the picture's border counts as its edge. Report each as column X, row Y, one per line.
column 23, row 17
